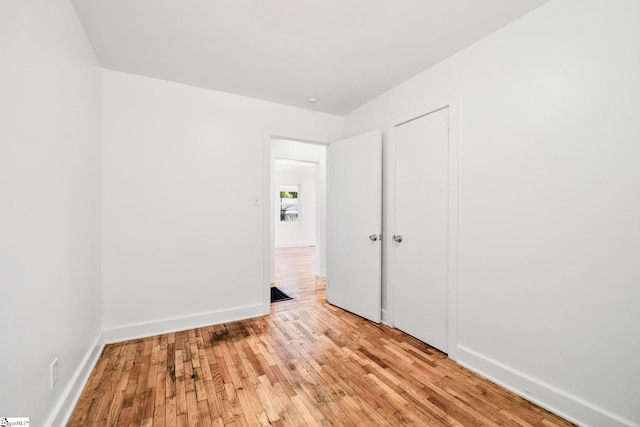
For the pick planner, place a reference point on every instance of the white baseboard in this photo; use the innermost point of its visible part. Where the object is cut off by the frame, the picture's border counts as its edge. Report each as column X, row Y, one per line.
column 384, row 318
column 564, row 404
column 294, row 245
column 164, row 326
column 69, row 398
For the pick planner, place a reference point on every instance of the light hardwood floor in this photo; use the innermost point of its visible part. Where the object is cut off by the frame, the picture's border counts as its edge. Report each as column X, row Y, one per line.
column 308, row 363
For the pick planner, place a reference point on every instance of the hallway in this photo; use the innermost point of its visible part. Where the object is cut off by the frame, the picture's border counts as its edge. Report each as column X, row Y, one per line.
column 294, row 275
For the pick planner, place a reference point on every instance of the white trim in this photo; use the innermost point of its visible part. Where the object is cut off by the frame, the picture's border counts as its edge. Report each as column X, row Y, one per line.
column 454, row 216
column 384, row 320
column 452, row 102
column 268, row 225
column 68, row 400
column 296, row 245
column 148, row 329
column 560, row 402
column 268, row 221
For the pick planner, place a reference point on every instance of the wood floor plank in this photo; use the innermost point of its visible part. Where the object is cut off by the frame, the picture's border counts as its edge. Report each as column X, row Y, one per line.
column 306, row 364
column 226, row 397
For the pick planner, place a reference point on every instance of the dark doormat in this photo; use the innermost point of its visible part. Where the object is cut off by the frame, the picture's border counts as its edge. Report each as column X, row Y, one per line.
column 278, row 295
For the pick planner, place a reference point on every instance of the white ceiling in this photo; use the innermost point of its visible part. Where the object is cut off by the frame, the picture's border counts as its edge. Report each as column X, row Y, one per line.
column 345, row 52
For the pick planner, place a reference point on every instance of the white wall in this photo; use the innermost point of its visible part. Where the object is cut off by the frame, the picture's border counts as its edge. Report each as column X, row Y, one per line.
column 174, row 158
column 549, row 235
column 49, row 208
column 302, row 232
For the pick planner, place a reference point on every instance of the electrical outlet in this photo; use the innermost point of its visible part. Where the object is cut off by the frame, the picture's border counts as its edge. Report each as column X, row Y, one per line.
column 54, row 372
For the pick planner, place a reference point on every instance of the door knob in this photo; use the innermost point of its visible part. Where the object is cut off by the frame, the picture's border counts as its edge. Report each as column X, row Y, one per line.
column 373, row 237
column 397, row 238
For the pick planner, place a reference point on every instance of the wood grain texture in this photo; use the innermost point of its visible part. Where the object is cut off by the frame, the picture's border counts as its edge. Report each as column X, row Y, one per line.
column 308, row 363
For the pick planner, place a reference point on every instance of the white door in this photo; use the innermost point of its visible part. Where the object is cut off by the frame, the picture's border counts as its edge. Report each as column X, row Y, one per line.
column 354, row 224
column 420, row 241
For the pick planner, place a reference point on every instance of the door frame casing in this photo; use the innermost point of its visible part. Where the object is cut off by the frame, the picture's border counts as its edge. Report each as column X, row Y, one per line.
column 268, row 226
column 452, row 102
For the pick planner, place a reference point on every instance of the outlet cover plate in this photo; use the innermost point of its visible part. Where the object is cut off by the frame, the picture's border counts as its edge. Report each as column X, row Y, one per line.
column 54, row 373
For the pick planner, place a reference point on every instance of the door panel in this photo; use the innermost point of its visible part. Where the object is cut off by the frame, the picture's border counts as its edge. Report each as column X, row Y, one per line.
column 421, row 218
column 354, row 213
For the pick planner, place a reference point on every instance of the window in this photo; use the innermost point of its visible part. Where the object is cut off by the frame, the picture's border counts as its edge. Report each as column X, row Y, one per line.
column 289, row 203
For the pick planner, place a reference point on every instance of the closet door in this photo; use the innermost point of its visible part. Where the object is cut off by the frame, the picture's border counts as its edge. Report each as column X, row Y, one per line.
column 420, row 233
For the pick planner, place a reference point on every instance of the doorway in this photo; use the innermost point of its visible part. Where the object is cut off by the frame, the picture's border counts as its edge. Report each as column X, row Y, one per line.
column 297, row 211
